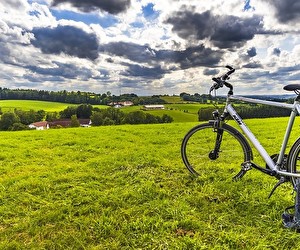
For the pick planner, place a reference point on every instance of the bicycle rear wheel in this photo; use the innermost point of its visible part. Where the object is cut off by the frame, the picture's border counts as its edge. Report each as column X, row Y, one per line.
column 198, row 149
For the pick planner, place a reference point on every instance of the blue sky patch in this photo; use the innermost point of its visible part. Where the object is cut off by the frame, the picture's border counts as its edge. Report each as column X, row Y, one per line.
column 89, row 18
column 149, row 12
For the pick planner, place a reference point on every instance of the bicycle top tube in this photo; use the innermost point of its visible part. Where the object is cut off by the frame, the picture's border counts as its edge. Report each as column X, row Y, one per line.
column 258, row 101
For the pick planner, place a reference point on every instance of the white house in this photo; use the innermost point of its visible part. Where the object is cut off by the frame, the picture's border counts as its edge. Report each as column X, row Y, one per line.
column 39, row 125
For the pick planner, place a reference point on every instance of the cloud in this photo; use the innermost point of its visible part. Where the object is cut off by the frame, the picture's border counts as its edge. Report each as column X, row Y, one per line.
column 64, row 70
column 15, row 4
column 135, row 70
column 286, row 10
column 187, row 58
column 211, row 72
column 110, row 6
column 253, row 65
column 66, row 39
column 195, row 56
column 226, row 31
column 276, row 51
column 131, row 51
column 252, row 52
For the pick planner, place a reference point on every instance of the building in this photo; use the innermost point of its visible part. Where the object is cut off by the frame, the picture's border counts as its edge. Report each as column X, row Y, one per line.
column 121, row 104
column 39, row 125
column 58, row 123
column 153, row 107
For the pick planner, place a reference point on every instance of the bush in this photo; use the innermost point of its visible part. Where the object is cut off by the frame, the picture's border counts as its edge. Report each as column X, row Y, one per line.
column 18, row 126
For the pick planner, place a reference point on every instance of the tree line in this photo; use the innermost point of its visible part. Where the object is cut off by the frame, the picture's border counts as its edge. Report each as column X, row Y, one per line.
column 112, row 116
column 247, row 112
column 19, row 119
column 76, row 97
column 204, row 98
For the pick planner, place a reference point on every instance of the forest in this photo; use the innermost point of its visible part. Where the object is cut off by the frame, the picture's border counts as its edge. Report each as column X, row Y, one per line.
column 76, row 97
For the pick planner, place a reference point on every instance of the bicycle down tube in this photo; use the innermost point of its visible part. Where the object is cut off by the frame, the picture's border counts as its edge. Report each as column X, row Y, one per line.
column 295, row 108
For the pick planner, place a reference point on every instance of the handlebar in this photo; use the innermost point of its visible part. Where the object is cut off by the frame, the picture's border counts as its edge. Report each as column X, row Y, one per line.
column 221, row 80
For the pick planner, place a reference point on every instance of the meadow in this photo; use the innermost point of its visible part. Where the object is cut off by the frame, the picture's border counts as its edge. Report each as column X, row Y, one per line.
column 179, row 112
column 125, row 187
column 10, row 105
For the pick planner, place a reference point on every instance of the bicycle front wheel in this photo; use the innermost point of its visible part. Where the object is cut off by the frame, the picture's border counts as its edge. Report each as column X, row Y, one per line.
column 204, row 151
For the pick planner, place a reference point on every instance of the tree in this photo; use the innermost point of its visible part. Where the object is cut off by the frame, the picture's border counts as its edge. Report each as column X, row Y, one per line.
column 84, row 111
column 7, row 120
column 52, row 116
column 107, row 121
column 97, row 118
column 114, row 114
column 74, row 121
column 68, row 112
column 18, row 126
column 166, row 118
column 136, row 117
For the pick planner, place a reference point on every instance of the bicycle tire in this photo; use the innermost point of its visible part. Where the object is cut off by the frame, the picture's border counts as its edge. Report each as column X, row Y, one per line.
column 200, row 141
column 293, row 162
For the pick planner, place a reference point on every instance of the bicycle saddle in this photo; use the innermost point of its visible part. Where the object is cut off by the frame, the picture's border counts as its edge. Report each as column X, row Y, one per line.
column 292, row 87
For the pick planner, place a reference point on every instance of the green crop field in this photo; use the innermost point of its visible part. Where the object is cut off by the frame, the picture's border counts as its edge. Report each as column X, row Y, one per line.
column 125, row 187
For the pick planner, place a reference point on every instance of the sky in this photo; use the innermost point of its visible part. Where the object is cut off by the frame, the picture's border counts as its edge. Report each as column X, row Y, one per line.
column 149, row 47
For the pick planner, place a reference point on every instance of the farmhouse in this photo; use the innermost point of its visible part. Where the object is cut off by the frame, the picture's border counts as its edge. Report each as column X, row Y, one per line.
column 58, row 123
column 39, row 125
column 67, row 123
column 121, row 104
column 153, row 107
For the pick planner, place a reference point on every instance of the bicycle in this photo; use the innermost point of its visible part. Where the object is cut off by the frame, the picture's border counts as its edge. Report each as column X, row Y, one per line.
column 215, row 140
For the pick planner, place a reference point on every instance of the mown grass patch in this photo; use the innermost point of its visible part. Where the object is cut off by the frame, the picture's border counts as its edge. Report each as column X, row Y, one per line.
column 125, row 187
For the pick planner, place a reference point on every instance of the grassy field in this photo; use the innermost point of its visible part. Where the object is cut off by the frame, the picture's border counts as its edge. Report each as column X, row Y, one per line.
column 125, row 187
column 179, row 112
column 10, row 105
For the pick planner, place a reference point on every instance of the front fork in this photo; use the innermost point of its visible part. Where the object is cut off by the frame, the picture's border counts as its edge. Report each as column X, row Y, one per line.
column 218, row 120
column 214, row 154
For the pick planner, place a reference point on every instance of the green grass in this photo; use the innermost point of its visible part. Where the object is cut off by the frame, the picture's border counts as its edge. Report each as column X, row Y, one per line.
column 10, row 105
column 125, row 187
column 179, row 112
column 172, row 99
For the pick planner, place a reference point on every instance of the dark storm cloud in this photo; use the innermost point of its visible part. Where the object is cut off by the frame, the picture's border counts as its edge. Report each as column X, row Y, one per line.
column 211, row 72
column 224, row 31
column 251, row 52
column 63, row 70
column 188, row 58
column 66, row 39
column 144, row 72
column 131, row 51
column 195, row 56
column 110, row 6
column 286, row 10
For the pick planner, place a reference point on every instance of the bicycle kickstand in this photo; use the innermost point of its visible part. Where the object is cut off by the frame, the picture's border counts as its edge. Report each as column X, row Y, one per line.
column 290, row 220
column 246, row 166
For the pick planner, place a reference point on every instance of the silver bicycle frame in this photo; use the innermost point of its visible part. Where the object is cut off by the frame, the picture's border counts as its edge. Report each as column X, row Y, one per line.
column 295, row 109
